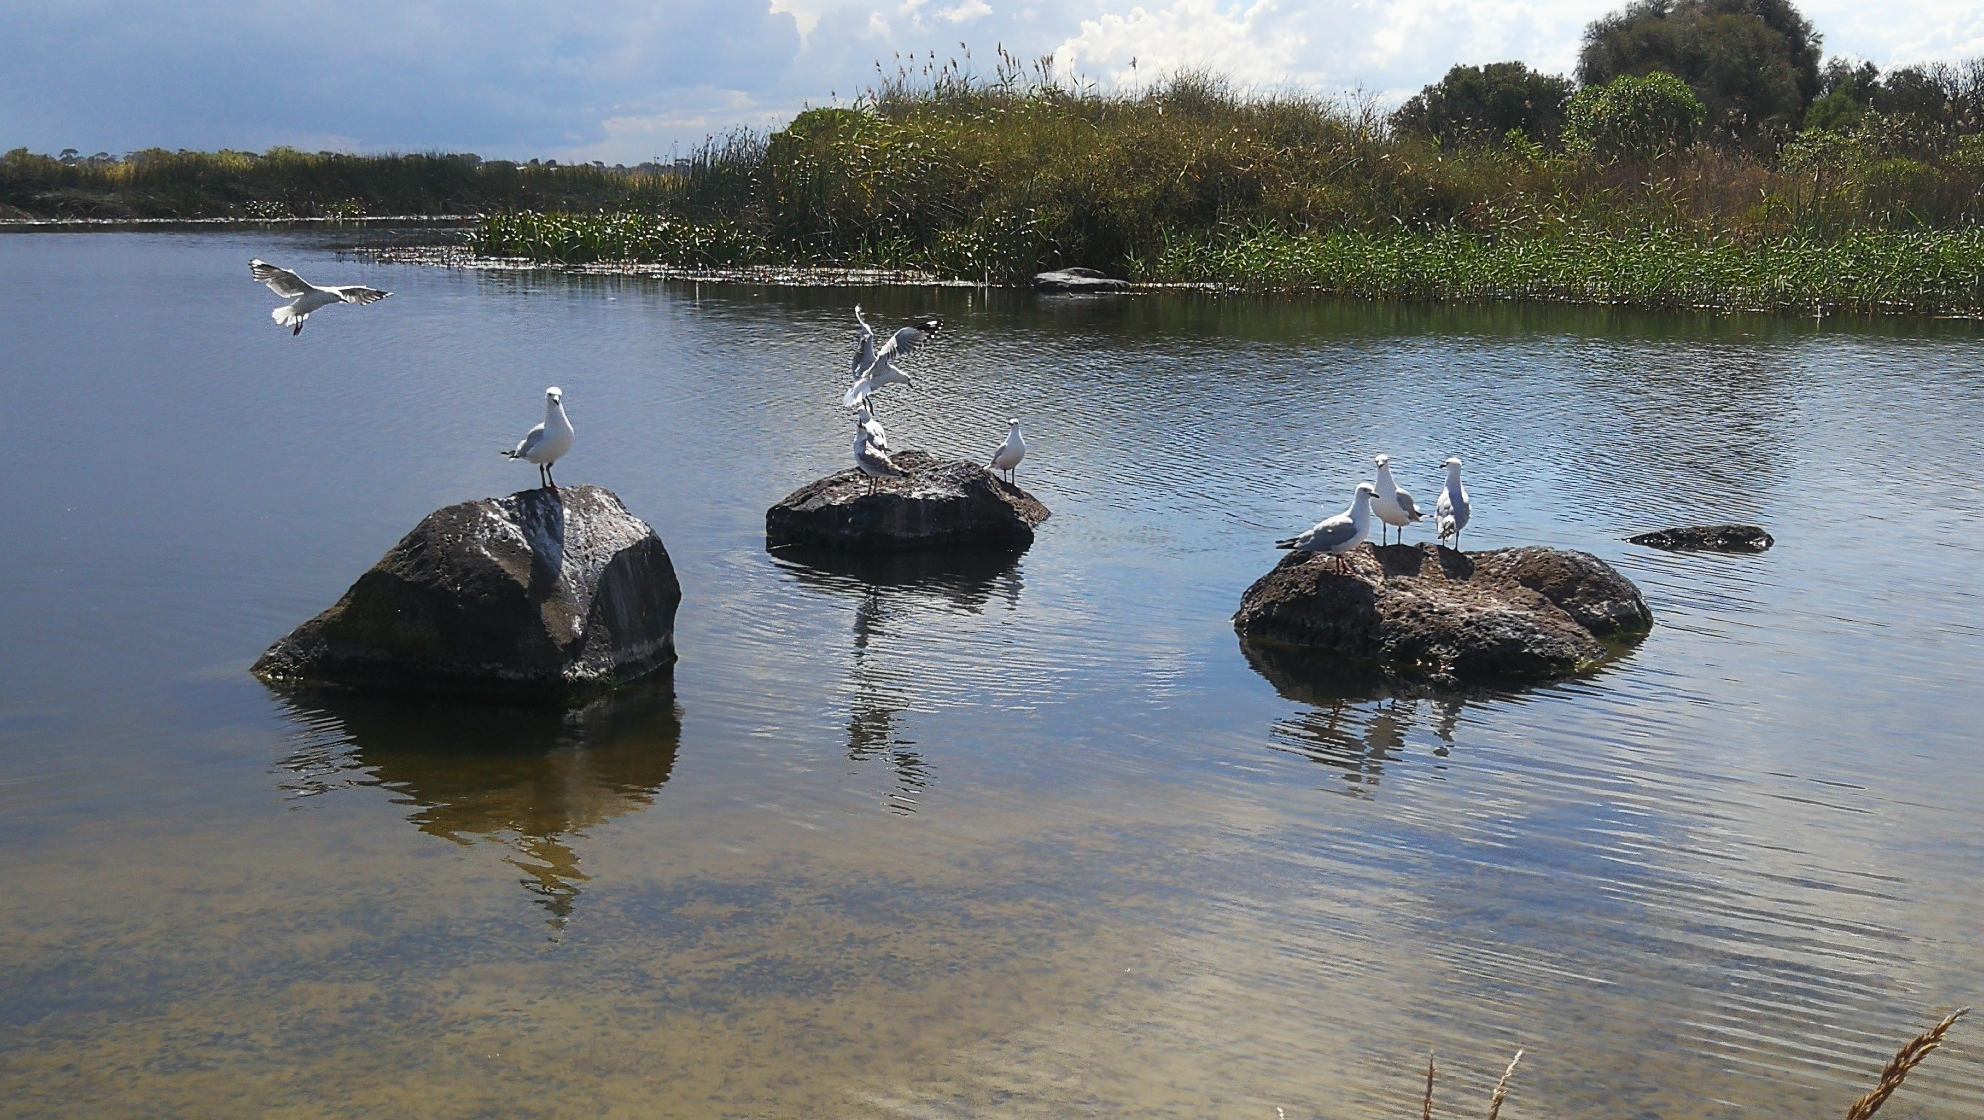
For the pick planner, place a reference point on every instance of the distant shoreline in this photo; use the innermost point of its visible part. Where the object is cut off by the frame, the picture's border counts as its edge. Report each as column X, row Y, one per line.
column 23, row 224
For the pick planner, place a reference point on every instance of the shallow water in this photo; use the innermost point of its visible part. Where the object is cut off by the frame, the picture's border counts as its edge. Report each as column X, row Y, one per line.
column 1029, row 838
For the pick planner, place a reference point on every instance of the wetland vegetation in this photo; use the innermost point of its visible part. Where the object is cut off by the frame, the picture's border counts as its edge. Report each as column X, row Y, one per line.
column 1702, row 158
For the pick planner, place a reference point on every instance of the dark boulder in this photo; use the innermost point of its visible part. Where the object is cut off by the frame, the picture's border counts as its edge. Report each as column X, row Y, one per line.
column 942, row 503
column 1708, row 538
column 1078, row 280
column 542, row 593
column 1418, row 611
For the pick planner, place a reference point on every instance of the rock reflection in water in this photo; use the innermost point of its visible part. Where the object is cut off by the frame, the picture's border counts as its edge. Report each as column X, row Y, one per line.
column 1357, row 719
column 890, row 587
column 531, row 777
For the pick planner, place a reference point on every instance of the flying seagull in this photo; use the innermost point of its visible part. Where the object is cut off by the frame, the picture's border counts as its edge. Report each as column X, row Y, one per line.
column 548, row 442
column 873, row 368
column 1393, row 506
column 305, row 297
column 1338, row 535
column 1453, row 508
column 1008, row 457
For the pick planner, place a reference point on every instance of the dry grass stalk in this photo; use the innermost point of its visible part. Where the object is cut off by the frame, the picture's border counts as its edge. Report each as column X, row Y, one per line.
column 1426, row 1112
column 1905, row 1059
column 1502, row 1088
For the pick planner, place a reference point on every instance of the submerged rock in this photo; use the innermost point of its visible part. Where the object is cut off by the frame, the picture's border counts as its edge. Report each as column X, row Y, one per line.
column 545, row 592
column 1078, row 280
column 1517, row 614
column 1708, row 538
column 942, row 503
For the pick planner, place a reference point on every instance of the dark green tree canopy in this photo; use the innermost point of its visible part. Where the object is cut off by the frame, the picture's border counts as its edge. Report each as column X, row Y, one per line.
column 1753, row 63
column 1476, row 105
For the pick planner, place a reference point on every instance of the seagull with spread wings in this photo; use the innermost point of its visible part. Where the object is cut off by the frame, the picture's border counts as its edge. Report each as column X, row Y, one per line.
column 305, row 297
column 873, row 368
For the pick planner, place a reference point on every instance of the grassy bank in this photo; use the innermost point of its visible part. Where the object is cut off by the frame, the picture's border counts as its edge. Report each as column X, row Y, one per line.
column 1191, row 181
column 288, row 184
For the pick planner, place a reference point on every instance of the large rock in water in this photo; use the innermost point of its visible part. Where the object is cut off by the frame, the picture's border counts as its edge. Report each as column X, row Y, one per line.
column 545, row 592
column 1424, row 612
column 942, row 504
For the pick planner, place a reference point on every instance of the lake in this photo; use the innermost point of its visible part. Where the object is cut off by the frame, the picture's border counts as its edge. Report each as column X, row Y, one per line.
column 1020, row 838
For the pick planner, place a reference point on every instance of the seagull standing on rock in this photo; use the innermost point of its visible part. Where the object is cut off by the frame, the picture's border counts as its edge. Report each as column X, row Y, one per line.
column 1452, row 510
column 549, row 441
column 873, row 460
column 875, row 368
column 1338, row 535
column 877, row 435
column 1008, row 457
column 305, row 297
column 1393, row 506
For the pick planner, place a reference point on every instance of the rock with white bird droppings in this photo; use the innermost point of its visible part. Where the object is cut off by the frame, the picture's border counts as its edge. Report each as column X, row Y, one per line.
column 1421, row 612
column 548, row 593
column 936, row 503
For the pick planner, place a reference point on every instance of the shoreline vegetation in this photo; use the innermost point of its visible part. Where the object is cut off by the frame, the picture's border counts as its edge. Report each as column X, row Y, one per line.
column 1672, row 174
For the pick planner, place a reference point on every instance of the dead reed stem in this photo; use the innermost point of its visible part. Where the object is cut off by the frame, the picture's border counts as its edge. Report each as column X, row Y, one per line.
column 1904, row 1060
column 1426, row 1112
column 1502, row 1088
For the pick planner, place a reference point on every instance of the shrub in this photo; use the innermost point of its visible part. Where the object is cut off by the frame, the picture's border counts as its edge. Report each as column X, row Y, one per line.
column 1631, row 117
column 1480, row 105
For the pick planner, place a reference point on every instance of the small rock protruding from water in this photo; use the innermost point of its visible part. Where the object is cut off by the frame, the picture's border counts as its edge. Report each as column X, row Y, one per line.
column 1078, row 280
column 1708, row 538
column 545, row 593
column 940, row 503
column 1417, row 611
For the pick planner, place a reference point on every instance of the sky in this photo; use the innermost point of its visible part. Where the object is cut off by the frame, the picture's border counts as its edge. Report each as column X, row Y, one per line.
column 628, row 80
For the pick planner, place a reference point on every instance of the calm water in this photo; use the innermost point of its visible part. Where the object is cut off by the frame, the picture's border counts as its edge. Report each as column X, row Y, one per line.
column 1033, row 839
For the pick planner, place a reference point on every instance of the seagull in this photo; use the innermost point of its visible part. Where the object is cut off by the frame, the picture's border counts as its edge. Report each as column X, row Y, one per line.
column 1450, row 513
column 873, row 461
column 877, row 435
column 1393, row 506
column 548, row 442
column 1008, row 457
column 874, row 368
column 305, row 297
column 1338, row 535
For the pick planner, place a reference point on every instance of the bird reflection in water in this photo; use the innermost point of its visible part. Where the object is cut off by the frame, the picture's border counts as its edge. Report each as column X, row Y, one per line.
column 892, row 588
column 1354, row 720
column 533, row 778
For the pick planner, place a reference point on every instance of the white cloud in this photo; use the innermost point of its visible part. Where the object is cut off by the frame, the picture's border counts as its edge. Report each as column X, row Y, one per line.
column 966, row 12
column 623, row 79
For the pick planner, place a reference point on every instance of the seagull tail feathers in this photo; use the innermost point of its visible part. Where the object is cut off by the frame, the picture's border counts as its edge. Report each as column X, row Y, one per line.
column 855, row 395
column 1289, row 543
column 287, row 316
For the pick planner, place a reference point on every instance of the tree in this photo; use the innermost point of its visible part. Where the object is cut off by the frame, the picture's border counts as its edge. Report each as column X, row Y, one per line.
column 1478, row 105
column 1754, row 64
column 1634, row 117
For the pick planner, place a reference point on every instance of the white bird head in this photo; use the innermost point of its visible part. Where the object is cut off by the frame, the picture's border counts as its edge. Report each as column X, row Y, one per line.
column 1012, row 423
column 553, row 395
column 1366, row 491
column 1382, row 460
column 1453, row 465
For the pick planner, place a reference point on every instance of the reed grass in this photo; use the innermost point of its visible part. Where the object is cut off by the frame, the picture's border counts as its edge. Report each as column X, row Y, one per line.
column 1904, row 1061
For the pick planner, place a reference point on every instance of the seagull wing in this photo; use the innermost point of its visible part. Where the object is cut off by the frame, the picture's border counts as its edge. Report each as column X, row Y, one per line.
column 281, row 281
column 529, row 444
column 874, row 459
column 864, row 348
column 1327, row 535
column 359, row 293
column 905, row 341
column 1406, row 505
